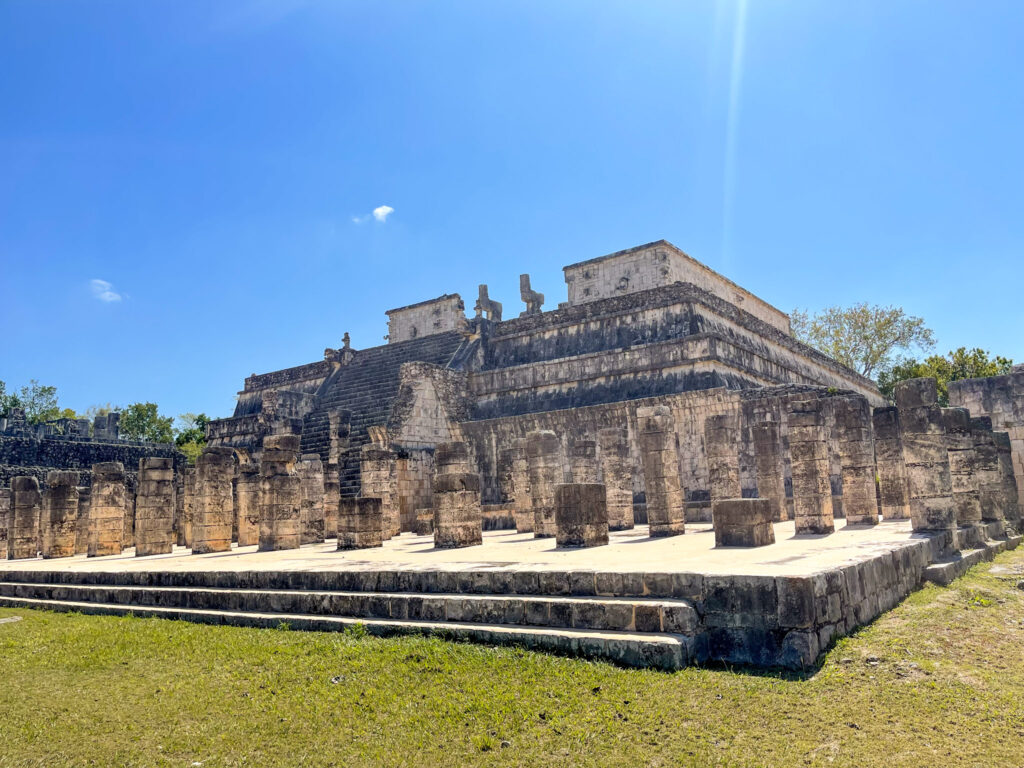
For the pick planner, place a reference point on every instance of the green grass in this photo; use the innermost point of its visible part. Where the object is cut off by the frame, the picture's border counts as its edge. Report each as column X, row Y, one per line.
column 938, row 681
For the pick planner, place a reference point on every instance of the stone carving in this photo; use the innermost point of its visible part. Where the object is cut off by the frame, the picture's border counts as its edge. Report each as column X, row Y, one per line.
column 311, row 470
column 485, row 305
column 666, row 514
column 154, row 507
column 280, row 494
column 59, row 514
column 106, row 509
column 808, row 451
column 722, row 441
column 82, row 520
column 26, row 508
column 617, row 472
column 457, row 515
column 852, row 434
column 533, row 300
column 215, row 510
column 247, row 505
column 581, row 519
column 769, row 464
column 962, row 464
column 378, row 472
column 522, row 500
column 332, row 494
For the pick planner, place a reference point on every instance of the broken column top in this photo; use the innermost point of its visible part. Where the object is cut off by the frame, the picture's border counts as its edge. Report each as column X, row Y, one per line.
column 108, row 470
column 218, row 454
column 56, row 477
column 156, row 462
column 24, row 483
column 282, row 443
column 448, row 454
column 957, row 421
column 915, row 393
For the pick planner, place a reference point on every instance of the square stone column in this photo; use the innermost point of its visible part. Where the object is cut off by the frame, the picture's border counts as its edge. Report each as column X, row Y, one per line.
column 360, row 523
column 543, row 455
column 311, row 470
column 23, row 533
column 522, row 500
column 892, row 472
column 581, row 519
column 424, row 521
column 809, row 461
column 743, row 522
column 458, row 520
column 82, row 521
column 332, row 495
column 617, row 471
column 583, row 461
column 852, row 434
column 986, row 470
column 1008, row 481
column 106, row 509
column 154, row 507
column 962, row 462
column 215, row 508
column 722, row 447
column 188, row 507
column 23, row 539
column 378, row 472
column 927, row 460
column 247, row 505
column 280, row 494
column 770, row 467
column 5, row 518
column 660, row 459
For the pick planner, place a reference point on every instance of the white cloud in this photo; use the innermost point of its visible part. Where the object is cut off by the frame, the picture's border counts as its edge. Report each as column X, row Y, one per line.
column 359, row 219
column 381, row 213
column 103, row 291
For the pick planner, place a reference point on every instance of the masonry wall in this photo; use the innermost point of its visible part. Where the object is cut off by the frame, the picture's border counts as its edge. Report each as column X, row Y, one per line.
column 445, row 313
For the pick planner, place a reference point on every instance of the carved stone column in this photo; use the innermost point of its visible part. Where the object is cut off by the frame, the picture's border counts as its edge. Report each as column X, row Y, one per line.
column 154, row 507
column 660, row 459
column 618, row 477
column 280, row 494
column 543, row 454
column 106, row 509
column 311, row 470
column 581, row 519
column 852, row 433
column 215, row 509
column 809, row 459
column 892, row 471
column 457, row 515
column 770, row 467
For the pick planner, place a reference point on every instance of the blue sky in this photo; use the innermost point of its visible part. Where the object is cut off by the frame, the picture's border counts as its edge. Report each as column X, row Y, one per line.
column 216, row 165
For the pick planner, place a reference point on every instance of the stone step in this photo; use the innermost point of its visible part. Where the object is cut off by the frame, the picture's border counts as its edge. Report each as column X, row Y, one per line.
column 661, row 651
column 943, row 572
column 583, row 613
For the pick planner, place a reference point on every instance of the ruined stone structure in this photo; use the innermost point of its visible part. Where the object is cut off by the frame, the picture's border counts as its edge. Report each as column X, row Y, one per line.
column 893, row 493
column 154, row 507
column 26, row 508
column 581, row 519
column 280, row 494
column 59, row 514
column 107, row 505
column 963, row 462
column 743, row 523
column 311, row 470
column 247, row 505
column 771, row 475
column 852, row 434
column 360, row 523
column 5, row 518
column 215, row 509
column 659, row 457
column 457, row 515
column 722, row 443
column 545, row 465
column 617, row 474
column 808, row 448
column 583, row 461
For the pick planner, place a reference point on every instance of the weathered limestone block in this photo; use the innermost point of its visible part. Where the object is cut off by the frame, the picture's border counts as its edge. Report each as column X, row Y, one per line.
column 360, row 523
column 215, row 509
column 543, row 455
column 581, row 519
column 809, row 460
column 504, row 469
column 851, row 432
column 82, row 520
column 188, row 507
column 60, row 514
column 332, row 495
column 247, row 506
column 522, row 499
column 660, row 459
column 26, row 511
column 154, row 507
column 743, row 522
column 424, row 522
column 721, row 444
column 311, row 470
column 892, row 471
column 924, row 452
column 458, row 520
column 1009, row 496
column 5, row 518
column 106, row 509
column 378, row 474
column 618, row 477
column 583, row 461
column 962, row 462
column 280, row 494
column 986, row 470
column 770, row 468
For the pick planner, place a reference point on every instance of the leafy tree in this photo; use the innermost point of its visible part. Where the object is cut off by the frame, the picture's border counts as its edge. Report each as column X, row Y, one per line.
column 7, row 401
column 191, row 435
column 959, row 364
column 142, row 421
column 39, row 402
column 864, row 337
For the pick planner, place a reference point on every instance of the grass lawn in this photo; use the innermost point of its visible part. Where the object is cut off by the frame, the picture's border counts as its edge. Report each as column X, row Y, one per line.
column 937, row 681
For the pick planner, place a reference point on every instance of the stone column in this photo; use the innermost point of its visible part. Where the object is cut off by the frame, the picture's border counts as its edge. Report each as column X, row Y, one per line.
column 311, row 471
column 360, row 523
column 188, row 507
column 770, row 468
column 962, row 462
column 332, row 495
column 82, row 520
column 522, row 500
column 247, row 506
column 743, row 522
column 1010, row 495
column 26, row 510
column 59, row 514
column 106, row 509
column 722, row 444
column 581, row 519
column 280, row 494
column 986, row 470
column 154, row 507
column 924, row 452
column 809, row 461
column 892, row 472
column 660, row 459
column 504, row 471
column 544, row 460
column 618, row 477
column 852, row 433
column 377, row 470
column 457, row 516
column 5, row 518
column 215, row 509
column 583, row 461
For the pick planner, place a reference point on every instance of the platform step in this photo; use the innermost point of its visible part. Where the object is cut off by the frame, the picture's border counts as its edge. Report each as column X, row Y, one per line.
column 576, row 612
column 943, row 572
column 661, row 650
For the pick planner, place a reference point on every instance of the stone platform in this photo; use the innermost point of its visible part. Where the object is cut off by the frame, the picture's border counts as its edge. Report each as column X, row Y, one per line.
column 641, row 601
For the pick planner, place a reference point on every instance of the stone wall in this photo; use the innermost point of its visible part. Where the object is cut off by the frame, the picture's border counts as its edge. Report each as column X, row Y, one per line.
column 445, row 313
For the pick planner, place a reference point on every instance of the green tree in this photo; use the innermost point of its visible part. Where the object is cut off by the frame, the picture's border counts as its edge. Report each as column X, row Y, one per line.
column 959, row 364
column 7, row 401
column 142, row 421
column 864, row 337
column 39, row 402
column 190, row 436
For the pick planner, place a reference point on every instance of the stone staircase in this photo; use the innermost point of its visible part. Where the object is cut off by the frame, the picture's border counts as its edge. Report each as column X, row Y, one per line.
column 659, row 632
column 973, row 545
